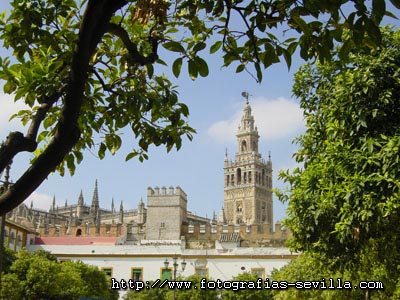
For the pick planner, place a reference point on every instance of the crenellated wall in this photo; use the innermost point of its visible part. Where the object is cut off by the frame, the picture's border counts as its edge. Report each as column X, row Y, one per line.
column 205, row 236
column 83, row 230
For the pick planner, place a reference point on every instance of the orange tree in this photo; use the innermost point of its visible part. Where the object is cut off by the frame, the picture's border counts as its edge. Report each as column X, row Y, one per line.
column 86, row 69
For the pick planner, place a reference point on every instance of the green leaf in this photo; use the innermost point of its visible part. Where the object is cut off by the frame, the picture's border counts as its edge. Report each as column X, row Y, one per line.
column 9, row 87
column 131, row 155
column 259, row 72
column 176, row 67
column 42, row 136
column 174, row 46
column 202, row 67
column 71, row 163
column 192, row 69
column 102, row 150
column 150, row 70
column 199, row 46
column 215, row 47
column 378, row 9
column 240, row 68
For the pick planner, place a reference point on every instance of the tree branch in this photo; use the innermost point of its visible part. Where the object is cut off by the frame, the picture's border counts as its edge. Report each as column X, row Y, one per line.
column 136, row 57
column 16, row 142
column 93, row 26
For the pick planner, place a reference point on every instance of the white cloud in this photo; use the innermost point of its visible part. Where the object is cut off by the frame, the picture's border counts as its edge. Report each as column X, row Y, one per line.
column 41, row 201
column 7, row 108
column 275, row 119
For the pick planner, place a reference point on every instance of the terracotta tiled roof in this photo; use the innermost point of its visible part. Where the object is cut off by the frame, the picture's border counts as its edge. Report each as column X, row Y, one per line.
column 229, row 237
column 96, row 240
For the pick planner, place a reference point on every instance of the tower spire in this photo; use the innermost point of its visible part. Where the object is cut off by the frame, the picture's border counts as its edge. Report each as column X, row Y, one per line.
column 95, row 202
column 80, row 199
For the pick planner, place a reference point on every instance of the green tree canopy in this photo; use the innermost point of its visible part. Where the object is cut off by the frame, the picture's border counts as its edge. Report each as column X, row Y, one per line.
column 244, row 294
column 87, row 69
column 41, row 276
column 318, row 268
column 344, row 201
column 8, row 258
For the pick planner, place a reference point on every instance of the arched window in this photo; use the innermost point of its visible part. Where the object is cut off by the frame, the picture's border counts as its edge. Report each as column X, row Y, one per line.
column 245, row 177
column 12, row 239
column 227, row 180
column 239, row 175
column 78, row 232
column 263, row 177
column 249, row 176
column 232, row 179
column 244, row 146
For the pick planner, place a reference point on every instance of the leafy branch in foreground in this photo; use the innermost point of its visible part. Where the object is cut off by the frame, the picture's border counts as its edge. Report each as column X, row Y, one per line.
column 88, row 69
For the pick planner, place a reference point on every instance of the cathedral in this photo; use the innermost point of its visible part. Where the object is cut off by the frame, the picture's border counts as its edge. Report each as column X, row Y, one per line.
column 246, row 219
column 139, row 244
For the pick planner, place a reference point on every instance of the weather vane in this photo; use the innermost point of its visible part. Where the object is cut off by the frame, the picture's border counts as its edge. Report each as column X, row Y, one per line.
column 246, row 95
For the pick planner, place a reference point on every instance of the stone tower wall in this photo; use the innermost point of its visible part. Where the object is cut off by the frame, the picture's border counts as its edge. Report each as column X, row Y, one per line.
column 166, row 212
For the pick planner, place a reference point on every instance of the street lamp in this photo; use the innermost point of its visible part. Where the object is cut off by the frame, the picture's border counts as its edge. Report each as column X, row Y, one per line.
column 175, row 265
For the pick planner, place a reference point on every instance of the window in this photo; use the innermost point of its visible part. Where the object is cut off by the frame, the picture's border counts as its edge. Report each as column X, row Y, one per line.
column 191, row 228
column 137, row 274
column 162, row 225
column 107, row 271
column 263, row 177
column 166, row 274
column 19, row 240
column 260, row 272
column 12, row 239
column 78, row 232
column 244, row 146
column 239, row 176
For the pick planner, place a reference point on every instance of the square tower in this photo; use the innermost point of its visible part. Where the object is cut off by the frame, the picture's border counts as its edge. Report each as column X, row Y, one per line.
column 166, row 211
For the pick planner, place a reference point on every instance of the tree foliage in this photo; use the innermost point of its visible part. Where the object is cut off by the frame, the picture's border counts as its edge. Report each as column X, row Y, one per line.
column 88, row 69
column 7, row 259
column 41, row 276
column 318, row 268
column 344, row 200
column 244, row 294
column 194, row 293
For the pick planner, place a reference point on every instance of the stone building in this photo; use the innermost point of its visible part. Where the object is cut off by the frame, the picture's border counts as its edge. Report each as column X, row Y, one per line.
column 248, row 179
column 136, row 244
column 246, row 220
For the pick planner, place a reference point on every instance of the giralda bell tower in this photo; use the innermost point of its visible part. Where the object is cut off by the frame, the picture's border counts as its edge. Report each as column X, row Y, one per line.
column 248, row 179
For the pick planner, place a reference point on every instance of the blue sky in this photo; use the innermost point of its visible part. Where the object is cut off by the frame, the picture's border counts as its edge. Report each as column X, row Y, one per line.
column 215, row 105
